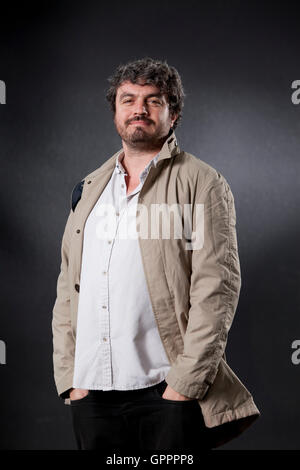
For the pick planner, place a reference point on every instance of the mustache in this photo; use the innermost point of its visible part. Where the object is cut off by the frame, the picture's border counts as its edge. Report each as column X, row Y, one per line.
column 140, row 119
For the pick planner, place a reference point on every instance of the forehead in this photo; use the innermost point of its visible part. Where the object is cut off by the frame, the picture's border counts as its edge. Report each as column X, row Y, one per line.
column 135, row 89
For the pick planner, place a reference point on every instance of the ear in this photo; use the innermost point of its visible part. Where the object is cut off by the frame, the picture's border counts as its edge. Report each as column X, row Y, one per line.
column 173, row 118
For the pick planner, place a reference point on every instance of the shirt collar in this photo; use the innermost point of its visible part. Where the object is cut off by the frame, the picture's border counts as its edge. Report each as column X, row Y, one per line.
column 120, row 169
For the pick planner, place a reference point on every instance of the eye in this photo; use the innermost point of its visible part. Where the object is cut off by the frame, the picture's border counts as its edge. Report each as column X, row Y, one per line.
column 127, row 101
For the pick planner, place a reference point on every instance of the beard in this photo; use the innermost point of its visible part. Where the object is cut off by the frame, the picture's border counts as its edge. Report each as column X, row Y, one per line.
column 141, row 137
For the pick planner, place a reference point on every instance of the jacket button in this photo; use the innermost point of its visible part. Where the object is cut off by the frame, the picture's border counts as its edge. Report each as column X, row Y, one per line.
column 77, row 287
column 89, row 182
column 78, row 230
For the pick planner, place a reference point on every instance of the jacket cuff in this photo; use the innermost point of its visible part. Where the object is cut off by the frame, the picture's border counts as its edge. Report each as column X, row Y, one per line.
column 190, row 390
column 64, row 385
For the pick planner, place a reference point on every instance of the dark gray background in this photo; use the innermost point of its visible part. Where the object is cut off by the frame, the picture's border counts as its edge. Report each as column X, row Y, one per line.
column 237, row 60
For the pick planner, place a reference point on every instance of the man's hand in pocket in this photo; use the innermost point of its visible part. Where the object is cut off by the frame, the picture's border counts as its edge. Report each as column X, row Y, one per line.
column 171, row 394
column 78, row 393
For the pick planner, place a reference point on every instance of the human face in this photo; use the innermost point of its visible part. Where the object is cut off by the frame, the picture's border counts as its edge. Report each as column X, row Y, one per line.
column 142, row 116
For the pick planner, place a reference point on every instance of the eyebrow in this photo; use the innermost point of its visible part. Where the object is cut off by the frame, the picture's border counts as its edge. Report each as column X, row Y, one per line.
column 158, row 95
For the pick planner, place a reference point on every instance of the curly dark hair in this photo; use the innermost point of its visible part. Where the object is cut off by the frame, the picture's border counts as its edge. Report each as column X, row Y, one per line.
column 152, row 72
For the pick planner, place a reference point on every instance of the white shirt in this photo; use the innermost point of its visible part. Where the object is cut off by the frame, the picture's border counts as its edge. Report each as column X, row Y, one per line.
column 118, row 346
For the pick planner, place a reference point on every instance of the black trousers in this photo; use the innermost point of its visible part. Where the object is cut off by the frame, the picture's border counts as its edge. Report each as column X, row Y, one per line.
column 137, row 420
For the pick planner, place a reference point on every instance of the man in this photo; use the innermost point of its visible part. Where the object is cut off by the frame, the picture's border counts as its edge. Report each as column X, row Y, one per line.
column 140, row 321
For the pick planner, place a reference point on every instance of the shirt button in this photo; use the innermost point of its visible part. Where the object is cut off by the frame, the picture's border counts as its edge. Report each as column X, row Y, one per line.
column 122, row 185
column 117, row 214
column 109, row 241
column 78, row 230
column 103, row 272
column 104, row 306
column 77, row 287
column 104, row 339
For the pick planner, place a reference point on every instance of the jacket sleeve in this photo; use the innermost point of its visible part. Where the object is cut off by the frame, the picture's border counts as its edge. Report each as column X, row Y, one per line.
column 63, row 339
column 214, row 292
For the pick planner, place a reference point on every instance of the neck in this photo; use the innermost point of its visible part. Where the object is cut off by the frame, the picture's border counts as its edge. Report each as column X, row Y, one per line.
column 135, row 159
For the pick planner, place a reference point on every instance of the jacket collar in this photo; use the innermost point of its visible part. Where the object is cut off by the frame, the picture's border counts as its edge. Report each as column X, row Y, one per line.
column 170, row 147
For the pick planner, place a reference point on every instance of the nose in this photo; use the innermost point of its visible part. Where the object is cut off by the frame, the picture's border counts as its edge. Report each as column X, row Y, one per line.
column 140, row 108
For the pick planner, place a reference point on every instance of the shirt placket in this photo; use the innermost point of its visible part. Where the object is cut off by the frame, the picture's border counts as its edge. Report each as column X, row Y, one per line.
column 105, row 346
column 120, row 206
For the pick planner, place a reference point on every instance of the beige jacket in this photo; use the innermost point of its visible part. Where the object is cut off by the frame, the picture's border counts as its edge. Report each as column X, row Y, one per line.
column 194, row 293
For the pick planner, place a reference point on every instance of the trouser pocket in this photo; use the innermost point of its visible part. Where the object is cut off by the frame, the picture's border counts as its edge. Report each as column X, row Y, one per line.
column 161, row 387
column 80, row 400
